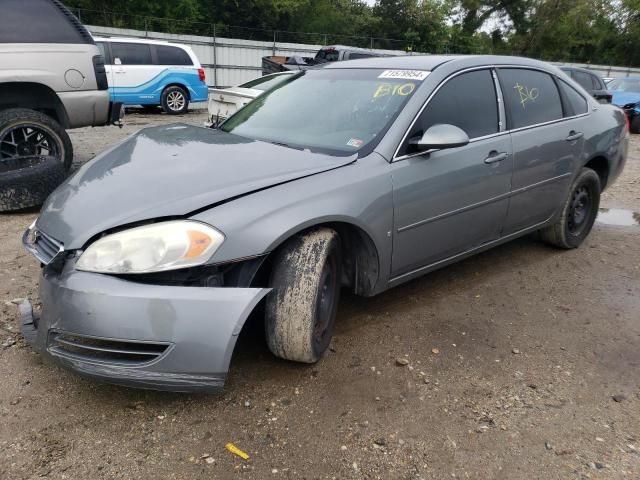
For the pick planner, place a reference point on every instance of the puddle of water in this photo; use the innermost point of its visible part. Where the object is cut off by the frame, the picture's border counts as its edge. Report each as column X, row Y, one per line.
column 618, row 217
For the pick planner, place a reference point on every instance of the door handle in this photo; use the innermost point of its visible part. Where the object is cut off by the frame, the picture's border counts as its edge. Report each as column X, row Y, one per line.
column 573, row 135
column 495, row 157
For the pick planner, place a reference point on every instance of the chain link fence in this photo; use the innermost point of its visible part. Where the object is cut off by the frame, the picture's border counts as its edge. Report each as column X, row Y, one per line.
column 176, row 26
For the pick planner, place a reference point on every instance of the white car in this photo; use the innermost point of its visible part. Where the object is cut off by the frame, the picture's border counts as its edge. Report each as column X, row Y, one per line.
column 224, row 102
column 153, row 73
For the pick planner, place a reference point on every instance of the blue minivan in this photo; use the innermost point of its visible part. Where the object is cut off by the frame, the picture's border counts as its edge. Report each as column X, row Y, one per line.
column 153, row 73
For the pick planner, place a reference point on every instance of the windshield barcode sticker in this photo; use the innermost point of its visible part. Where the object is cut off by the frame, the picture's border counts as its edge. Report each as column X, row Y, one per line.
column 405, row 74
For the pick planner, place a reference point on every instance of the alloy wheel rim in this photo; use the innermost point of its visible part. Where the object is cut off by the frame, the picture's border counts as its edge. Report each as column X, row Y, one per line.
column 175, row 101
column 27, row 140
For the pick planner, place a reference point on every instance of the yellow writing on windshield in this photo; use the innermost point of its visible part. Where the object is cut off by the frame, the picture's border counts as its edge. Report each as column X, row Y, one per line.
column 385, row 89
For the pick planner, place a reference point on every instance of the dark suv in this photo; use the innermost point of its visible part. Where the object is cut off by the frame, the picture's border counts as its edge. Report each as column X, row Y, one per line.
column 590, row 81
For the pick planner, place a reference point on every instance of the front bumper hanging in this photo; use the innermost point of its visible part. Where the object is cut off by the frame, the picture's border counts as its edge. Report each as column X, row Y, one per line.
column 138, row 335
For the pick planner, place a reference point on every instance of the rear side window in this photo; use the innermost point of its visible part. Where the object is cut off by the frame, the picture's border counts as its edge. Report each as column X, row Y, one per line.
column 172, row 56
column 597, row 83
column 39, row 21
column 355, row 56
column 531, row 97
column 104, row 50
column 576, row 103
column 328, row 55
column 132, row 53
column 467, row 101
column 584, row 79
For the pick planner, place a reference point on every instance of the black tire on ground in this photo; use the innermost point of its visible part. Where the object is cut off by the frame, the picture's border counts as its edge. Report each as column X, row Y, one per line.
column 578, row 214
column 15, row 121
column 175, row 100
column 27, row 182
column 301, row 309
column 635, row 125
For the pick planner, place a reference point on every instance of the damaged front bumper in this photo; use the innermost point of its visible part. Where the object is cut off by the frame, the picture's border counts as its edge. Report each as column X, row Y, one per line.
column 138, row 335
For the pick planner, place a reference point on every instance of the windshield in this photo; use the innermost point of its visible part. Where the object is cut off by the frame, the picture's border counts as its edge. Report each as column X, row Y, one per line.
column 265, row 83
column 625, row 85
column 333, row 111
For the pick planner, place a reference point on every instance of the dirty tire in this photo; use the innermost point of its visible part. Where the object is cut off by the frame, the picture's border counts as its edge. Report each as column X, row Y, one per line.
column 578, row 214
column 301, row 309
column 175, row 100
column 27, row 182
column 15, row 117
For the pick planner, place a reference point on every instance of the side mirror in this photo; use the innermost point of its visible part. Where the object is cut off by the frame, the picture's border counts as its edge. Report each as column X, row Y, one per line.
column 117, row 61
column 439, row 137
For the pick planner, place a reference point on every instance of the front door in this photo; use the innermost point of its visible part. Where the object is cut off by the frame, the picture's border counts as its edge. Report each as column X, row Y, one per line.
column 449, row 201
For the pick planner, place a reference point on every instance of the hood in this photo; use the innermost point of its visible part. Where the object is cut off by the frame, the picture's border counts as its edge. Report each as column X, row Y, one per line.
column 169, row 171
column 621, row 98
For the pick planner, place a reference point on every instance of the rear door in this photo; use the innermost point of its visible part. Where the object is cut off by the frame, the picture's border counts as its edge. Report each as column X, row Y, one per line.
column 547, row 142
column 449, row 201
column 134, row 74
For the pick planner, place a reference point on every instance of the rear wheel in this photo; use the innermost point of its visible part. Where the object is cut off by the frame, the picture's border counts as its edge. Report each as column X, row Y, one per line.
column 635, row 125
column 175, row 100
column 301, row 310
column 579, row 212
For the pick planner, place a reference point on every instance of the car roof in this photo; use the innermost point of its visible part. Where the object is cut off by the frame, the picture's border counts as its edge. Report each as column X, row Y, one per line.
column 431, row 62
column 578, row 69
column 138, row 40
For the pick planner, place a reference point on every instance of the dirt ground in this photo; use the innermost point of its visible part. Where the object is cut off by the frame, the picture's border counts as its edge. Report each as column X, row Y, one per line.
column 523, row 362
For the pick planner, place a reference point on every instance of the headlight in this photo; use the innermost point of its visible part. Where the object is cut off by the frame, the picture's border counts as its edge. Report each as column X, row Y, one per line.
column 152, row 248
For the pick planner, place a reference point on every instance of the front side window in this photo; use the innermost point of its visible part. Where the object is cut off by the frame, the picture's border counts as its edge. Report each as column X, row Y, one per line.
column 531, row 97
column 131, row 53
column 336, row 111
column 172, row 56
column 467, row 101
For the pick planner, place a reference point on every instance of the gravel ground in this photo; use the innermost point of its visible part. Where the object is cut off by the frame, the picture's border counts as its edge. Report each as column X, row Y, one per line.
column 522, row 362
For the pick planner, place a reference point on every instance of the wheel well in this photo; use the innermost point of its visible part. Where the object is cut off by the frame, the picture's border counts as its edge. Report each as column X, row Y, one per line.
column 34, row 96
column 181, row 86
column 601, row 166
column 360, row 268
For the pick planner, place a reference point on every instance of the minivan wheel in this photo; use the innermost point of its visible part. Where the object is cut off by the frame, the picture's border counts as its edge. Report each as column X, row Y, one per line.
column 175, row 100
column 579, row 212
column 26, row 133
column 301, row 309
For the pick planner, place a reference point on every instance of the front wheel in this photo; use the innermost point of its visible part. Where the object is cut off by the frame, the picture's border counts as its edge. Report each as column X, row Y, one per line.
column 26, row 133
column 175, row 100
column 301, row 309
column 578, row 214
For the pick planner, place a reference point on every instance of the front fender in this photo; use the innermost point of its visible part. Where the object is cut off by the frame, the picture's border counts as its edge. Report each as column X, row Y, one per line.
column 359, row 194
